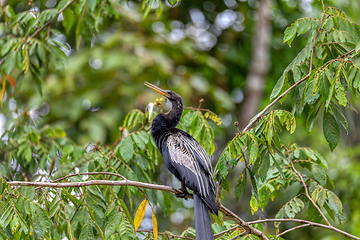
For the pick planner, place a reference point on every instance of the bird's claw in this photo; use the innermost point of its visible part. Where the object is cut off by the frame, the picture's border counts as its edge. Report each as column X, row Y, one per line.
column 183, row 194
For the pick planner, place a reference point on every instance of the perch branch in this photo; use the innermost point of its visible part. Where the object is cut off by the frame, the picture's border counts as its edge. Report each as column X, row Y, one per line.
column 243, row 224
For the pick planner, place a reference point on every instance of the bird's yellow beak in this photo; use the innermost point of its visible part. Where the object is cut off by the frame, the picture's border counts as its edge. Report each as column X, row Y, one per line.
column 159, row 90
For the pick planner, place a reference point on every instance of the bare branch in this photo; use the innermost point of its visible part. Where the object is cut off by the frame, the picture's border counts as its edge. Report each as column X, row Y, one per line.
column 96, row 182
column 226, row 231
column 307, row 222
column 240, row 235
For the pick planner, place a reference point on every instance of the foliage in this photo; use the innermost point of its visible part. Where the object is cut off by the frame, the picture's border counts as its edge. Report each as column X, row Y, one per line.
column 323, row 78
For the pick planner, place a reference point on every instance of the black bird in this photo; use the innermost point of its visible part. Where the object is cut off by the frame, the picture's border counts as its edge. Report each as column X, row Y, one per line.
column 187, row 160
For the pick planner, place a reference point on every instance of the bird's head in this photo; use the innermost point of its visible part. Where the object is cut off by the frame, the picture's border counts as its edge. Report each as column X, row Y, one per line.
column 172, row 96
column 171, row 118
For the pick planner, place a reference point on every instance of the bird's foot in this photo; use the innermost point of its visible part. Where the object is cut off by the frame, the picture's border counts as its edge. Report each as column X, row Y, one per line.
column 183, row 194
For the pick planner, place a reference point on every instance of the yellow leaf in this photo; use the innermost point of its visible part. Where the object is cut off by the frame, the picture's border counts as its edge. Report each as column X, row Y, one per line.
column 155, row 226
column 2, row 91
column 140, row 214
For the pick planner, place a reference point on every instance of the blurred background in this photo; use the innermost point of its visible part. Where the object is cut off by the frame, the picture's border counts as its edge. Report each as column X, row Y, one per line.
column 229, row 53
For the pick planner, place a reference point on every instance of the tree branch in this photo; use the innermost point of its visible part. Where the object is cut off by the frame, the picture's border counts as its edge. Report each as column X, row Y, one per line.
column 310, row 224
column 96, row 182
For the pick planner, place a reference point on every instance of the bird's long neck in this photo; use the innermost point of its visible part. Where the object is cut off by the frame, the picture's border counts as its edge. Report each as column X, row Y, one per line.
column 174, row 115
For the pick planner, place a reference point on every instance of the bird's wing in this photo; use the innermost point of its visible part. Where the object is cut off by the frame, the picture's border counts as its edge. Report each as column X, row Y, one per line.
column 191, row 161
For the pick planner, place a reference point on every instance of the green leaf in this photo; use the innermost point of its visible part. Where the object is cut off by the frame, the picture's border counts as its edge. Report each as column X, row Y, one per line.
column 28, row 154
column 9, row 62
column 28, row 192
column 335, row 204
column 69, row 19
column 125, row 229
column 87, row 232
column 324, row 85
column 7, row 46
column 241, row 184
column 126, row 148
column 319, row 174
column 73, row 199
column 340, row 94
column 112, row 224
column 41, row 222
column 314, row 214
column 3, row 185
column 331, row 130
column 148, row 7
column 253, row 183
column 290, row 33
column 357, row 48
column 254, row 204
column 222, row 165
column 339, row 116
column 289, row 211
column 126, row 210
column 321, row 197
column 277, row 88
column 133, row 118
column 278, row 167
column 264, row 168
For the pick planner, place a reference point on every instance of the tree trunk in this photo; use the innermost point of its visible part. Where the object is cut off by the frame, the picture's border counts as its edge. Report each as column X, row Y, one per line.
column 259, row 64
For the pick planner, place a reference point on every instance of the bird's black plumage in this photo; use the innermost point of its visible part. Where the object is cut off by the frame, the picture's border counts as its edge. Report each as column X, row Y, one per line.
column 187, row 160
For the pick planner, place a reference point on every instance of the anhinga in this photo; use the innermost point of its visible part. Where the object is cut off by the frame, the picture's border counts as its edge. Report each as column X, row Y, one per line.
column 187, row 160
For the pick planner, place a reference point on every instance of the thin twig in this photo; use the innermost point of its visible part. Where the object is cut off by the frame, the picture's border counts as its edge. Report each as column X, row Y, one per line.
column 240, row 235
column 307, row 222
column 226, row 231
column 306, row 189
column 246, row 226
column 294, row 228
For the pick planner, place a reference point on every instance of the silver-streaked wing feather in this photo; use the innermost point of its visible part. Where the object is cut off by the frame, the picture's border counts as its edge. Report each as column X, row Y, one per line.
column 192, row 159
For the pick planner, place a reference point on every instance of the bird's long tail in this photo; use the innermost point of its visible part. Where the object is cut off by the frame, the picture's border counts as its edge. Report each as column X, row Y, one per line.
column 203, row 228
